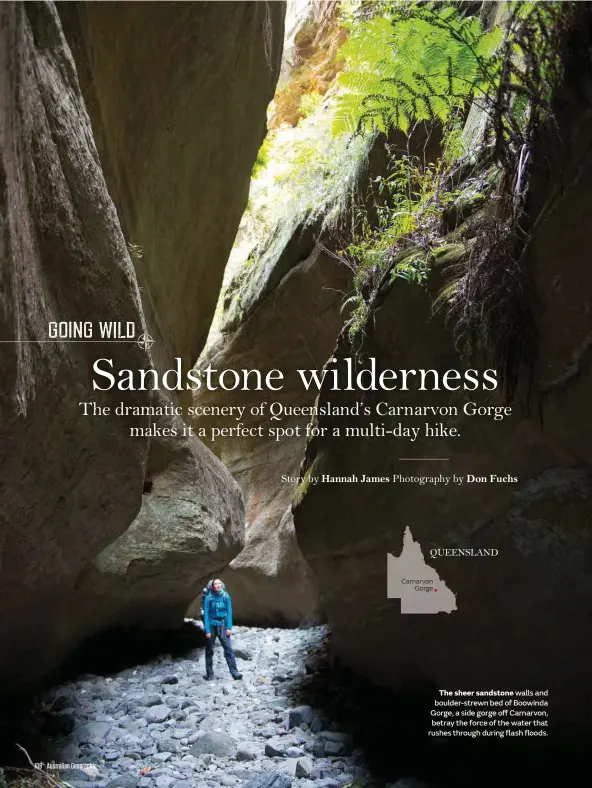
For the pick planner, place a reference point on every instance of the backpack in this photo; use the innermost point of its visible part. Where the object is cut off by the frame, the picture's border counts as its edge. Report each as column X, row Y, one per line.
column 206, row 591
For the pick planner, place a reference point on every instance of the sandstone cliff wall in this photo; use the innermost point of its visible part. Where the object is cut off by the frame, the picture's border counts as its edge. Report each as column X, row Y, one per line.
column 177, row 94
column 70, row 483
column 294, row 328
column 280, row 309
column 521, row 616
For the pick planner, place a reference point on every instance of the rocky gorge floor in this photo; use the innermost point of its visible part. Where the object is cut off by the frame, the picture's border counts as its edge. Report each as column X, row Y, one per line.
column 162, row 725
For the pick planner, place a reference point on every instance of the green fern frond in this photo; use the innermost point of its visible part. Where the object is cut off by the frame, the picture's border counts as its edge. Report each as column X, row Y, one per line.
column 420, row 62
column 351, row 300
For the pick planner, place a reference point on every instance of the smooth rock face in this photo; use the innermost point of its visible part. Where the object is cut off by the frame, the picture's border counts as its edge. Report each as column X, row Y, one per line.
column 73, row 484
column 281, row 311
column 190, row 526
column 70, row 483
column 521, row 612
column 269, row 581
column 516, row 612
column 180, row 183
column 281, row 308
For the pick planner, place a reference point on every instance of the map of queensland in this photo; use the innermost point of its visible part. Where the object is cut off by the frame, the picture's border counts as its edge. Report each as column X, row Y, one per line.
column 417, row 585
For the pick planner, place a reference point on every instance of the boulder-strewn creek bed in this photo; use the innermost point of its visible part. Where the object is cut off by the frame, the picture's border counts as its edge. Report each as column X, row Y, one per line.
column 163, row 716
column 146, row 718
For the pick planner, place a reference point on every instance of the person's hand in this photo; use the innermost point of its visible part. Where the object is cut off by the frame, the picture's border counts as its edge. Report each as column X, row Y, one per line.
column 208, row 635
column 227, row 633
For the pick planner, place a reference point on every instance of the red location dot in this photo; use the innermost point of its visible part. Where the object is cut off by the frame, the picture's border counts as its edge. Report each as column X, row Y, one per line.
column 435, row 589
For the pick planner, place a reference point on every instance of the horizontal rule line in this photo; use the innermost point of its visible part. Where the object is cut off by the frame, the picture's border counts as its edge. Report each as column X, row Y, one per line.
column 59, row 341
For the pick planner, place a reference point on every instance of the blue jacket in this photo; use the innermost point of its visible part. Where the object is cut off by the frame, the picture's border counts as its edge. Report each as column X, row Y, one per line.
column 217, row 608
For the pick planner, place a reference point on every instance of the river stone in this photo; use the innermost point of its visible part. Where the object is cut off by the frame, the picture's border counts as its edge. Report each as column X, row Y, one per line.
column 269, row 780
column 215, row 744
column 182, row 733
column 75, row 774
column 242, row 652
column 167, row 744
column 280, row 703
column 299, row 715
column 158, row 713
column 346, row 738
column 288, row 766
column 303, row 767
column 274, row 749
column 210, row 723
column 67, row 699
column 334, row 747
column 246, row 752
column 164, row 781
column 93, row 732
column 124, row 781
column 294, row 752
column 149, row 700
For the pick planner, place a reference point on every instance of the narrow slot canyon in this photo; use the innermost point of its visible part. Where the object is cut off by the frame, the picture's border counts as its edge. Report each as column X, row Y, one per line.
column 295, row 296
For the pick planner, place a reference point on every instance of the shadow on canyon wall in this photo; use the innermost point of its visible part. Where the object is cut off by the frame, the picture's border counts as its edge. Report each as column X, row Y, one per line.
column 392, row 729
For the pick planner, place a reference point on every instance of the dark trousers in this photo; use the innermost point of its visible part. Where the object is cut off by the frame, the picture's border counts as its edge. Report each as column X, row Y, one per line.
column 220, row 632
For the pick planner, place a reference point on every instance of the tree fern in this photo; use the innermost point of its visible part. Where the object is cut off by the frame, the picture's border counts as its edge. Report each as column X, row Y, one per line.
column 419, row 62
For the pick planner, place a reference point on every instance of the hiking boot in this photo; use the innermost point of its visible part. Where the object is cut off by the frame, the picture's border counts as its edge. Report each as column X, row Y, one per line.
column 209, row 677
column 237, row 676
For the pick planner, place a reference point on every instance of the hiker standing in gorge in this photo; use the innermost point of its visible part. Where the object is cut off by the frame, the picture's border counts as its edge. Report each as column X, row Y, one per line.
column 217, row 616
